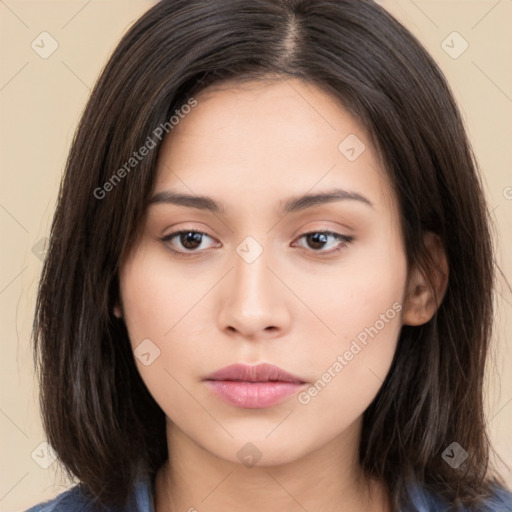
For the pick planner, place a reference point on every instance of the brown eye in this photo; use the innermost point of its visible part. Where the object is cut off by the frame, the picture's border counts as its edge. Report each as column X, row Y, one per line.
column 318, row 240
column 188, row 241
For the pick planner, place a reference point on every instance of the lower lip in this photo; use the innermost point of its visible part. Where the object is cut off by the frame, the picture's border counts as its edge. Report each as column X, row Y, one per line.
column 253, row 395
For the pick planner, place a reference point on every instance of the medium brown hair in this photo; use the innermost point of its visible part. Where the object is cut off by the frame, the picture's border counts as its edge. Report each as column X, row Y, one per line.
column 98, row 414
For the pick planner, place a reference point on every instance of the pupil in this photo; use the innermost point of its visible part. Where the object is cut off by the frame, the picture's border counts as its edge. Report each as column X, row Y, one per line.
column 318, row 240
column 189, row 240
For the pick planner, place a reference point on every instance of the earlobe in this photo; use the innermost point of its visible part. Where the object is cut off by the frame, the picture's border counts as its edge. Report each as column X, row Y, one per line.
column 423, row 297
column 117, row 311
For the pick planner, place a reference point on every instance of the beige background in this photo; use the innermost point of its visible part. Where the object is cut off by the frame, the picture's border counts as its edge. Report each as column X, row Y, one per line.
column 40, row 104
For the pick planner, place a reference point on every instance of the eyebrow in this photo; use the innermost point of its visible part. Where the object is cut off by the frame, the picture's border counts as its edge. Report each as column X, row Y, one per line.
column 293, row 204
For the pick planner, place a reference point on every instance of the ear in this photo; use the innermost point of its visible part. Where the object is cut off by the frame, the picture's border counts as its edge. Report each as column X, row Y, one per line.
column 117, row 310
column 423, row 298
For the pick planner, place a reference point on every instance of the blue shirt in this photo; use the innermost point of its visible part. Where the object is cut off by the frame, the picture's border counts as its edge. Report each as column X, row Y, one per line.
column 73, row 500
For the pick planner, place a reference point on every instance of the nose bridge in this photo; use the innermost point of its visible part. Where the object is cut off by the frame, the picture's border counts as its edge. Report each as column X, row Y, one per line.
column 252, row 278
column 253, row 301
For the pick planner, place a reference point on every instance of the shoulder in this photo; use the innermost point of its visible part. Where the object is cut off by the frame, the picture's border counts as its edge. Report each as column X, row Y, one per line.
column 74, row 500
column 501, row 501
column 423, row 500
column 71, row 500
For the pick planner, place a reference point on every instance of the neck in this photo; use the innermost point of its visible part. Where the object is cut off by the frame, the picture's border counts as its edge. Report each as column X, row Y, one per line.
column 328, row 479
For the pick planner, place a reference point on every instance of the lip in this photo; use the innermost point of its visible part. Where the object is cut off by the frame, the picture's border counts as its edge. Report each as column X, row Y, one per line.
column 253, row 386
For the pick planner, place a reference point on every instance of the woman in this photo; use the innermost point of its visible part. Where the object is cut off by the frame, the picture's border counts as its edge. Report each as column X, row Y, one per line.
column 269, row 282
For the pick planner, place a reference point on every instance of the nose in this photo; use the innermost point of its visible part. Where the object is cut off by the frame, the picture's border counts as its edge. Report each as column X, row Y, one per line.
column 254, row 301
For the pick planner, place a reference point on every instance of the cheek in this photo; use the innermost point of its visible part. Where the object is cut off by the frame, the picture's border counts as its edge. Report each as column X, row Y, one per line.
column 362, row 306
column 365, row 290
column 157, row 297
column 350, row 370
column 160, row 309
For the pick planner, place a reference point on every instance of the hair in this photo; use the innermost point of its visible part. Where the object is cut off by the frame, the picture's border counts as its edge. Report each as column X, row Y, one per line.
column 98, row 415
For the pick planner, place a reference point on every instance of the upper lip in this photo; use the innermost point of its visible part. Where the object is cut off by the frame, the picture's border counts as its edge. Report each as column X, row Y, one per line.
column 254, row 373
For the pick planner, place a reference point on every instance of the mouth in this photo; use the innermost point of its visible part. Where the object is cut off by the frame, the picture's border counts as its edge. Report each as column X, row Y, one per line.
column 253, row 386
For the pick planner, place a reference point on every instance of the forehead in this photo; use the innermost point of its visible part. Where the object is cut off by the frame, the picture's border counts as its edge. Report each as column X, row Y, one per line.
column 262, row 138
column 300, row 114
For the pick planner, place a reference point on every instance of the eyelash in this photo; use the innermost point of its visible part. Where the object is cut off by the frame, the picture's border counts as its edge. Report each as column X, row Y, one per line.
column 342, row 238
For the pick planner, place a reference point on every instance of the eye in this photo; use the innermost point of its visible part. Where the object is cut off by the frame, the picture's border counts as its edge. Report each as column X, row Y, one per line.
column 189, row 239
column 319, row 240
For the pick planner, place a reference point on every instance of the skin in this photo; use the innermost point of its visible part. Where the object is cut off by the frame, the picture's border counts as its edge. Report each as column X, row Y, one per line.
column 252, row 147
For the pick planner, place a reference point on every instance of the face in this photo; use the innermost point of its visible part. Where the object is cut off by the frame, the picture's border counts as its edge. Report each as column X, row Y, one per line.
column 314, row 287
